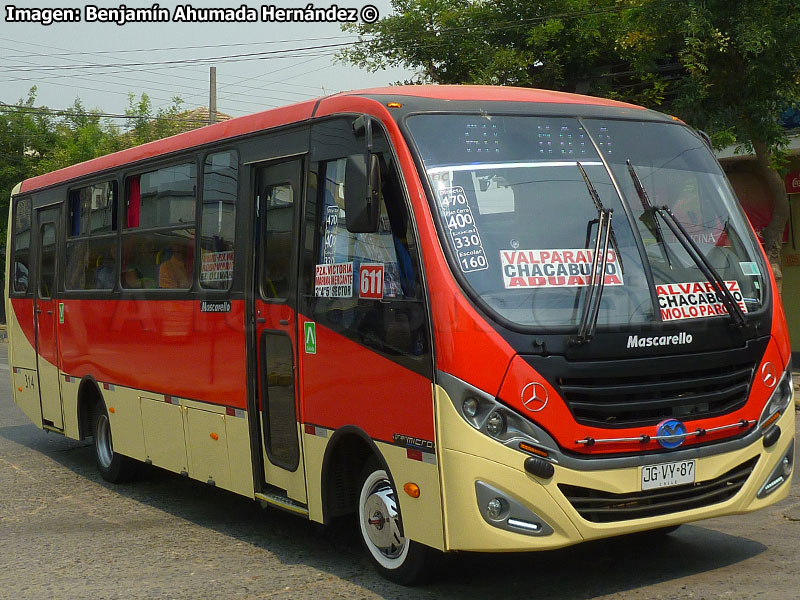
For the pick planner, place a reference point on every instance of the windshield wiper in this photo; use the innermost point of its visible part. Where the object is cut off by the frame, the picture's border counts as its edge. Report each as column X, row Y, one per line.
column 597, row 279
column 648, row 217
column 598, row 204
column 710, row 273
column 694, row 252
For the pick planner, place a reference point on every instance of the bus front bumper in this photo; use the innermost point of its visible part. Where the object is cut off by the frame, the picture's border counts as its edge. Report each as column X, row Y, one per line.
column 491, row 503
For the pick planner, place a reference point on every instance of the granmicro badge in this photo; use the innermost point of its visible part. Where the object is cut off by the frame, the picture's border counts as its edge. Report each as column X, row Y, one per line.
column 681, row 339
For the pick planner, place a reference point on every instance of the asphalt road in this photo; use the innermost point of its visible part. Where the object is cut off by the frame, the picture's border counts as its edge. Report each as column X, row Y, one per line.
column 65, row 533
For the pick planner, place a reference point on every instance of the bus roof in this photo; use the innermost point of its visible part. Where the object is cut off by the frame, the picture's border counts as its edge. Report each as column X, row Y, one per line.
column 300, row 112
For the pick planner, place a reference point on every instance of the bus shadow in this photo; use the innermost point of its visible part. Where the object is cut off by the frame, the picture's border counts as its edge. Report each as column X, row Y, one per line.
column 584, row 571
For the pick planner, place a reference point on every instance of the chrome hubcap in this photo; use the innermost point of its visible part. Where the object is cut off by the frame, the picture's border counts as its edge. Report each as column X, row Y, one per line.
column 105, row 452
column 382, row 522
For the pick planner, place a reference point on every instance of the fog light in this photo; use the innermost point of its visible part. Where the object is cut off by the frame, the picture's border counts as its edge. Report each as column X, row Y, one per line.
column 495, row 424
column 786, row 465
column 526, row 525
column 780, row 474
column 495, row 508
column 470, row 407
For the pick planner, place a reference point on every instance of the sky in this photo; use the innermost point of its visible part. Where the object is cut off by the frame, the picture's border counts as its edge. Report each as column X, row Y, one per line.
column 61, row 59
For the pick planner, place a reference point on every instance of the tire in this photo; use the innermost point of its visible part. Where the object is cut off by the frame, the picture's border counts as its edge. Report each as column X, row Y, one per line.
column 395, row 557
column 113, row 467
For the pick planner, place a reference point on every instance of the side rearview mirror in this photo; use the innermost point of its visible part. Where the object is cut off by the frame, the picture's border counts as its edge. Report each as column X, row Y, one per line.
column 706, row 139
column 362, row 183
column 362, row 193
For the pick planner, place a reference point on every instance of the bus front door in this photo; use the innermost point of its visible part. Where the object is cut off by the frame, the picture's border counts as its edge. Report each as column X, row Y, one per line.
column 278, row 191
column 45, row 311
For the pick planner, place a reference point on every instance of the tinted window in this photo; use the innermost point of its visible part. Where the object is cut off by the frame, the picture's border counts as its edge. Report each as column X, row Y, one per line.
column 220, row 179
column 22, row 245
column 47, row 261
column 165, row 197
column 279, row 209
column 364, row 285
column 91, row 250
column 93, row 209
column 158, row 243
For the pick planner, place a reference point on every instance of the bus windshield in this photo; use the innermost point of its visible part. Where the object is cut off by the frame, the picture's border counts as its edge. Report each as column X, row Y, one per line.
column 522, row 223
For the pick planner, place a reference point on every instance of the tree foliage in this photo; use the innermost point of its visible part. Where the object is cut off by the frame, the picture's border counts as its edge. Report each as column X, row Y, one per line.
column 729, row 67
column 555, row 44
column 740, row 69
column 36, row 140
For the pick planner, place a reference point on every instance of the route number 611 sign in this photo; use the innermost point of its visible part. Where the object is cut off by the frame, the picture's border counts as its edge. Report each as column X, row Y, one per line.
column 370, row 281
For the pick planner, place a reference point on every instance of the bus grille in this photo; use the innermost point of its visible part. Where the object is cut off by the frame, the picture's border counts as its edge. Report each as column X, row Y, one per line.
column 641, row 398
column 604, row 507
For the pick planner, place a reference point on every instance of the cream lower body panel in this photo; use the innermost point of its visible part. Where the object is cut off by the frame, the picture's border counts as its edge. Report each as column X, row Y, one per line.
column 469, row 456
column 180, row 435
column 422, row 516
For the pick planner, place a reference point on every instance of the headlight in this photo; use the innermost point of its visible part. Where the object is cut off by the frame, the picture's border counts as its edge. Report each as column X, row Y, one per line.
column 779, row 400
column 489, row 416
column 496, row 424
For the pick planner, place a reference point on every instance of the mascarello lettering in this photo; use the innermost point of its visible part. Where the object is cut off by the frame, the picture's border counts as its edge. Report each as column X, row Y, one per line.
column 634, row 341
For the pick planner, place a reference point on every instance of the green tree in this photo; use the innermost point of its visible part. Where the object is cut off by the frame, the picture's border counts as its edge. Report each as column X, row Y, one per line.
column 556, row 44
column 26, row 137
column 739, row 69
column 80, row 135
column 727, row 66
column 147, row 125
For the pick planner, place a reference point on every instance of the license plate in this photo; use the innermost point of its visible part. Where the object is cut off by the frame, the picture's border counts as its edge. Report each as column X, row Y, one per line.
column 667, row 474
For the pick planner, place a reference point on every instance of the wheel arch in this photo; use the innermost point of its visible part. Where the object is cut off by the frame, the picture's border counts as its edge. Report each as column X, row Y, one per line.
column 345, row 455
column 89, row 395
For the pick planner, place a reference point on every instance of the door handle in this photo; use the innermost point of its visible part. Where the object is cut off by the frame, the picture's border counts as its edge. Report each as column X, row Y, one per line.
column 38, row 311
column 261, row 320
column 49, row 312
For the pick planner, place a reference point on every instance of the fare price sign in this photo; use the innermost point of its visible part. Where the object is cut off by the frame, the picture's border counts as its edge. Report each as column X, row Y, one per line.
column 464, row 235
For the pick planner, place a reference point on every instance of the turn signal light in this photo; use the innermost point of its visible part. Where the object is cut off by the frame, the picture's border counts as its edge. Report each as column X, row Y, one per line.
column 771, row 420
column 412, row 489
column 532, row 449
column 214, row 436
column 394, row 105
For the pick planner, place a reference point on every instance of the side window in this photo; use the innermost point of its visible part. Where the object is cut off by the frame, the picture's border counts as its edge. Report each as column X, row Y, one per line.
column 158, row 240
column 279, row 209
column 22, row 245
column 91, row 253
column 366, row 285
column 382, row 267
column 220, row 179
column 47, row 261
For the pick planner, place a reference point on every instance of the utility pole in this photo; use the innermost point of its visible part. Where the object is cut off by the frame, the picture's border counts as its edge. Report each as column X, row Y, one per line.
column 212, row 96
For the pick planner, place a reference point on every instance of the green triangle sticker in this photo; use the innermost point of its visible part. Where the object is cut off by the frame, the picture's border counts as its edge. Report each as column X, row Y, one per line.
column 310, row 336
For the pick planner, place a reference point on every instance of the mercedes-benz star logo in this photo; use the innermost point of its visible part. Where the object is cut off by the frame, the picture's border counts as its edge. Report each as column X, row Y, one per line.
column 768, row 375
column 534, row 397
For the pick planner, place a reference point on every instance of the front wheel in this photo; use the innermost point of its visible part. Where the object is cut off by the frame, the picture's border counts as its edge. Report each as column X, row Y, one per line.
column 396, row 557
column 113, row 467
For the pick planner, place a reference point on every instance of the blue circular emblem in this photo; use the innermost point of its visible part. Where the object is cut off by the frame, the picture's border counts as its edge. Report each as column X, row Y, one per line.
column 669, row 428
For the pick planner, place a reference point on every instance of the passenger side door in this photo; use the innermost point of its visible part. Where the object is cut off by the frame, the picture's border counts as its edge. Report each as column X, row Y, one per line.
column 278, row 198
column 46, row 316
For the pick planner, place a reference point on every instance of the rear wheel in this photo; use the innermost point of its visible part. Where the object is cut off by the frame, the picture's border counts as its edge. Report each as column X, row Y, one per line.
column 113, row 467
column 395, row 557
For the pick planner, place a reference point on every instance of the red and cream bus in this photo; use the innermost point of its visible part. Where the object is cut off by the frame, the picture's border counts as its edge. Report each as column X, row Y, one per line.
column 480, row 319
